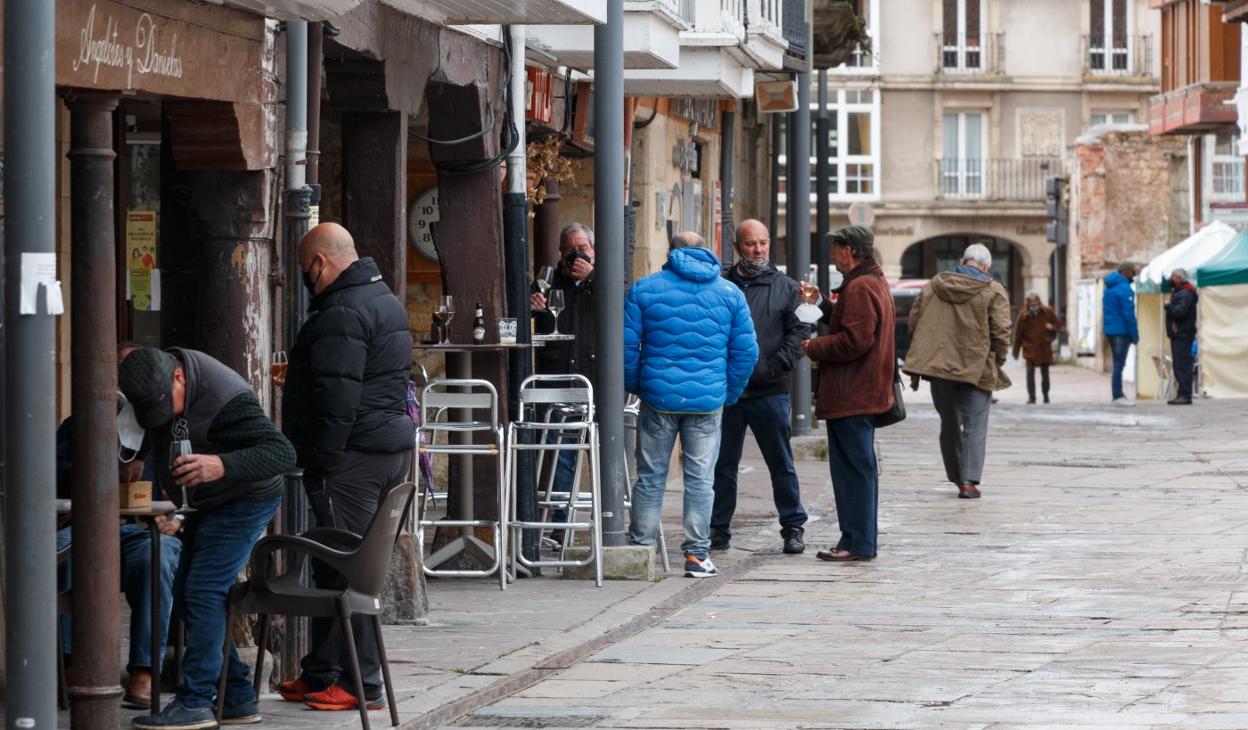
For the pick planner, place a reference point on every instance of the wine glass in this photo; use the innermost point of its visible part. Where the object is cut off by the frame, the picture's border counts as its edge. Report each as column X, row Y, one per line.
column 279, row 368
column 444, row 313
column 545, row 279
column 554, row 305
column 181, row 447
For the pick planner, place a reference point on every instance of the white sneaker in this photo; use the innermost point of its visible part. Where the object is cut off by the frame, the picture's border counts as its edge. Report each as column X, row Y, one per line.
column 699, row 568
column 1124, row 401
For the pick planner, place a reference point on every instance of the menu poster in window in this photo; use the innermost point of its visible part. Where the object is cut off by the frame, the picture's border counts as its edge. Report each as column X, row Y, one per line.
column 141, row 256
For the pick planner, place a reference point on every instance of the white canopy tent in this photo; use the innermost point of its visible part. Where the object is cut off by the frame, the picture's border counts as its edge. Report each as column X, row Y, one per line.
column 1151, row 286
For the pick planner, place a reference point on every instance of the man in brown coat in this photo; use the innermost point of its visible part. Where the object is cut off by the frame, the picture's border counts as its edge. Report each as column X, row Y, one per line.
column 959, row 339
column 1033, row 335
column 856, row 360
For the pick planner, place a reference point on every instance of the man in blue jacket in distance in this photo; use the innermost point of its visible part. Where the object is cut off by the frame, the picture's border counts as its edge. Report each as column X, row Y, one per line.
column 1121, row 330
column 689, row 350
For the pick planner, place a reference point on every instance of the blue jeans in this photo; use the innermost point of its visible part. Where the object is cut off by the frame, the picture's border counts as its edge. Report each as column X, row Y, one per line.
column 218, row 544
column 1118, row 346
column 768, row 418
column 136, row 582
column 851, row 459
column 656, row 436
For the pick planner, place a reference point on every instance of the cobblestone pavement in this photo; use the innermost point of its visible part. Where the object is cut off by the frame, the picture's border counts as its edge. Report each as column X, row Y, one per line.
column 1100, row 582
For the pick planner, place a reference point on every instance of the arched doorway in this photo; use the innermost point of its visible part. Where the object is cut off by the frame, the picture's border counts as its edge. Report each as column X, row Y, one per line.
column 929, row 257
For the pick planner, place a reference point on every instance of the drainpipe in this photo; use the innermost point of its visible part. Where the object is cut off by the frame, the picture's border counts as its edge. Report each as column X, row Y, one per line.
column 516, row 277
column 823, row 184
column 609, row 205
column 316, row 56
column 30, row 367
column 727, row 143
column 298, row 199
column 97, row 561
column 777, row 135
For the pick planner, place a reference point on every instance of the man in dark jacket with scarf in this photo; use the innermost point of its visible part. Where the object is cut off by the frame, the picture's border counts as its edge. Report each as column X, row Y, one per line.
column 1181, row 328
column 344, row 408
column 232, row 481
column 764, row 406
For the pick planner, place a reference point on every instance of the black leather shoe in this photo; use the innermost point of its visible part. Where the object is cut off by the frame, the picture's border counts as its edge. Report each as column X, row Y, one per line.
column 720, row 540
column 792, row 537
column 1179, row 402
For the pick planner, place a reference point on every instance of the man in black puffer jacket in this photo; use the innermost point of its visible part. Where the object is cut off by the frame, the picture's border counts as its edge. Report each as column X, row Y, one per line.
column 1181, row 328
column 344, row 408
column 764, row 407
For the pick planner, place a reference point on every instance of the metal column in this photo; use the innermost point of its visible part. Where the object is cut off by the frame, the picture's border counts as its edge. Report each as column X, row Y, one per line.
column 799, row 235
column 298, row 199
column 30, row 368
column 97, row 561
column 609, row 205
column 516, row 277
column 823, row 183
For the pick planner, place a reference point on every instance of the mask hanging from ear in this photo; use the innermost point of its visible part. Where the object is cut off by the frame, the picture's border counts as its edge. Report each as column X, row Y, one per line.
column 129, row 432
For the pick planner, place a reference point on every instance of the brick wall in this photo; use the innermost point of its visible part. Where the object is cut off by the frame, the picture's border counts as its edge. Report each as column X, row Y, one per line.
column 1129, row 198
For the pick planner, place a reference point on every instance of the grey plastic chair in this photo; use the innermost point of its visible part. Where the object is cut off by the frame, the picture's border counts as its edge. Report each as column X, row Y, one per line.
column 472, row 405
column 573, row 395
column 361, row 561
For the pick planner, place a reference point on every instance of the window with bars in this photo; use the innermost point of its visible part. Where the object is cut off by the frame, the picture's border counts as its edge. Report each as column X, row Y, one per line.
column 963, row 34
column 1109, row 48
column 962, row 167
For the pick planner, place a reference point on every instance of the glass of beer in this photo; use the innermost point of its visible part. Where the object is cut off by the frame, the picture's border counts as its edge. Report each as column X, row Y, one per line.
column 279, row 368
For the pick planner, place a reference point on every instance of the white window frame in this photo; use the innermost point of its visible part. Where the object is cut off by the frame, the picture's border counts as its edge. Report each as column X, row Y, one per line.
column 1233, row 162
column 961, row 49
column 1111, row 116
column 865, row 64
column 1108, row 52
column 840, row 109
column 955, row 169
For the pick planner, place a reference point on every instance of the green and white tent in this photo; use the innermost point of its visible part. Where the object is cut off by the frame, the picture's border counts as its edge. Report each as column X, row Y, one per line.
column 1223, row 333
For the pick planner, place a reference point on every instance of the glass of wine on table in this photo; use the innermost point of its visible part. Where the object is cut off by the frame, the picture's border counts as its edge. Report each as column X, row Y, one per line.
column 444, row 313
column 554, row 305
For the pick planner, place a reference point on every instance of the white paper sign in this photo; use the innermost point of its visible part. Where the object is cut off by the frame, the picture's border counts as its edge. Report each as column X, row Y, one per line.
column 39, row 274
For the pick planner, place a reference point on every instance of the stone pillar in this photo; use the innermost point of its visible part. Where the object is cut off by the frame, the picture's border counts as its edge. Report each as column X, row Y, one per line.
column 96, row 552
column 374, row 193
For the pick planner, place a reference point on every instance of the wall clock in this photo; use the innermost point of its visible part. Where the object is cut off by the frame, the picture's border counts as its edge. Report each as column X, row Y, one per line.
column 420, row 219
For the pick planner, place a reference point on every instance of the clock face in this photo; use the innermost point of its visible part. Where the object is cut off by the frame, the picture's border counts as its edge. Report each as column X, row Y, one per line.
column 420, row 220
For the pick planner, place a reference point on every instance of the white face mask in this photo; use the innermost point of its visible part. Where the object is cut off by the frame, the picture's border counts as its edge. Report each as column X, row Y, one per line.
column 129, row 432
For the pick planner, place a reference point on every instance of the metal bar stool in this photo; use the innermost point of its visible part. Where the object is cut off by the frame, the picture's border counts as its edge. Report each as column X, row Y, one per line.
column 467, row 401
column 632, row 412
column 575, row 396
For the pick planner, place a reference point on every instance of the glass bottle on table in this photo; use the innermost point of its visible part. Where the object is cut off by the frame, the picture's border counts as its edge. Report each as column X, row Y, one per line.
column 478, row 326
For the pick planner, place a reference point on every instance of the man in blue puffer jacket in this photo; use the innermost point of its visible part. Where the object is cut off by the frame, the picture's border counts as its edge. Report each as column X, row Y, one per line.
column 689, row 350
column 1121, row 330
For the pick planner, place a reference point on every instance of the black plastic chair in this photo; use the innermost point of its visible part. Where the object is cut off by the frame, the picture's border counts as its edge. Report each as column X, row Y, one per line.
column 361, row 561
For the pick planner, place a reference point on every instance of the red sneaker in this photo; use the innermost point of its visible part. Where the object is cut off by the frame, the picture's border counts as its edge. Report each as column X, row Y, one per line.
column 336, row 698
column 294, row 690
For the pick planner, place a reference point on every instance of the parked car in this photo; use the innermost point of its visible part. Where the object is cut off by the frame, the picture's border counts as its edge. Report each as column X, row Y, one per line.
column 905, row 292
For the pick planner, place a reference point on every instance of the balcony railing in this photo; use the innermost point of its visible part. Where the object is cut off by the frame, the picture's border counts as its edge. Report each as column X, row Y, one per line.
column 683, row 9
column 1020, row 180
column 793, row 25
column 1103, row 57
column 732, row 17
column 969, row 55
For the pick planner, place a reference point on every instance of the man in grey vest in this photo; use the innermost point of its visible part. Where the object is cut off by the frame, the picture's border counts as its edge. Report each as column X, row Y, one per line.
column 231, row 483
column 345, row 409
